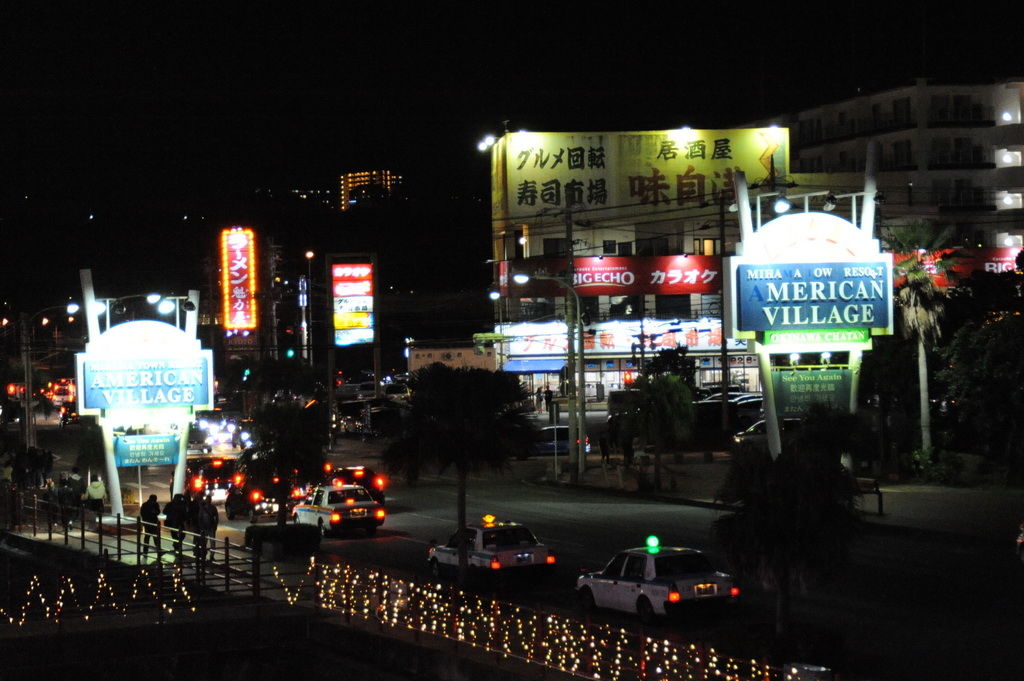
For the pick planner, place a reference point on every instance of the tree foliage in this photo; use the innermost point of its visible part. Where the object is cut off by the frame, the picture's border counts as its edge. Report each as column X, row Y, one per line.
column 795, row 517
column 663, row 416
column 984, row 379
column 464, row 419
column 923, row 250
column 288, row 444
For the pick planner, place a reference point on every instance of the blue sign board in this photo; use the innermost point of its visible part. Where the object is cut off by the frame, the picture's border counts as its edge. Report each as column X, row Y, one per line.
column 136, row 382
column 809, row 296
column 146, row 450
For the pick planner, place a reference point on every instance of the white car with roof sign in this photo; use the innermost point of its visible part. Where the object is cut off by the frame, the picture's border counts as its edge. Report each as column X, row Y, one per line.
column 337, row 507
column 495, row 547
column 655, row 581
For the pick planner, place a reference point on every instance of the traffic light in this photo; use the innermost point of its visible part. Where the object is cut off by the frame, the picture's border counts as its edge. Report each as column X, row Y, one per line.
column 15, row 389
column 289, row 353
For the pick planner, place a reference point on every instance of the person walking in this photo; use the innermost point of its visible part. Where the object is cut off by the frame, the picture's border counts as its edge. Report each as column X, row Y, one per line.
column 175, row 513
column 206, row 521
column 149, row 514
column 95, row 493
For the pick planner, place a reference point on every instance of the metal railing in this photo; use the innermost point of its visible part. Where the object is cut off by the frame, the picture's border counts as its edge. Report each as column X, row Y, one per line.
column 362, row 596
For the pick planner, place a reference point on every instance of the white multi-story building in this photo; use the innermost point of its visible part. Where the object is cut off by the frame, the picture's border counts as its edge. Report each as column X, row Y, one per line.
column 950, row 154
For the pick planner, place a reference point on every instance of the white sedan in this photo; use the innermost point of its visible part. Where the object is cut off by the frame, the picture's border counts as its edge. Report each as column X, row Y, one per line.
column 655, row 581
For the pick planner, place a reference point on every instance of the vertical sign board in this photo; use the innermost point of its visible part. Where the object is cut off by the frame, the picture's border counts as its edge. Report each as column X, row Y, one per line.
column 809, row 283
column 239, row 274
column 352, row 294
column 144, row 380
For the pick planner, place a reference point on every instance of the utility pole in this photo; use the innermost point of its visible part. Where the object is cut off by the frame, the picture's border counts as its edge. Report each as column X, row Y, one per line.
column 26, row 399
column 571, row 317
column 724, row 357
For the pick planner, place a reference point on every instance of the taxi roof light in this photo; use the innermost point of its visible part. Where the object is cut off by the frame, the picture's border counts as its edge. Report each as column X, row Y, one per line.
column 495, row 564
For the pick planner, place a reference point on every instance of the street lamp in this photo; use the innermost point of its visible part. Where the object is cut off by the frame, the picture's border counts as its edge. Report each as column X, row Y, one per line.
column 577, row 385
column 305, row 293
column 26, row 360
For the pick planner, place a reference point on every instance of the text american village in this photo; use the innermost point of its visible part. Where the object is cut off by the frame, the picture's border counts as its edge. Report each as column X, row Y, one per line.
column 147, row 383
column 826, row 295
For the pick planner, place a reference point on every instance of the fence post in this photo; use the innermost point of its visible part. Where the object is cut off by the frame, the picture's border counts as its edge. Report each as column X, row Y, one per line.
column 160, row 588
column 81, row 523
column 35, row 512
column 49, row 521
column 118, row 537
column 138, row 542
column 227, row 565
column 99, row 534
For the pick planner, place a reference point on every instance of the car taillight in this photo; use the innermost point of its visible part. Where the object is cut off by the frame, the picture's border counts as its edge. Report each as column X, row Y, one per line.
column 358, row 474
column 378, row 482
column 335, row 517
column 550, row 560
column 238, row 479
column 275, row 480
column 328, row 467
column 217, row 463
column 380, row 513
column 495, row 564
column 256, row 496
column 674, row 597
column 298, row 493
column 197, row 483
column 734, row 592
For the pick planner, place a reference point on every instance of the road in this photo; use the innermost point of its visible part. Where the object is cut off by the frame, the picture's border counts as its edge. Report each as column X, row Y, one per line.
column 910, row 605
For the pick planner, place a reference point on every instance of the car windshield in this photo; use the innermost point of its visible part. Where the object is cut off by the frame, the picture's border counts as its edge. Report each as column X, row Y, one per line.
column 681, row 564
column 509, row 536
column 341, row 496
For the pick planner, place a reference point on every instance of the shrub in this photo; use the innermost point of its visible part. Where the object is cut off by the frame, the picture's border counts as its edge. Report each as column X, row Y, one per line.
column 945, row 469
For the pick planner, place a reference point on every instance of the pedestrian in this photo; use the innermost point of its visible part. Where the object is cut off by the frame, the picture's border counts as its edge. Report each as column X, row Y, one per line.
column 207, row 520
column 175, row 513
column 95, row 493
column 77, row 484
column 548, row 396
column 149, row 514
column 602, row 443
column 539, row 403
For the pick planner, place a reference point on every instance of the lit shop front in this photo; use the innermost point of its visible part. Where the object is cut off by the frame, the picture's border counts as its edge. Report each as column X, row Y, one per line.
column 615, row 350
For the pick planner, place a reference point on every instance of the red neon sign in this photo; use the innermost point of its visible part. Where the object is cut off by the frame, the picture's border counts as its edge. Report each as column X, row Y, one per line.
column 238, row 267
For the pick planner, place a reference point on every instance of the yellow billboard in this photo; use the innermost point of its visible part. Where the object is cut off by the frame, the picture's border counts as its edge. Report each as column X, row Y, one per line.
column 623, row 173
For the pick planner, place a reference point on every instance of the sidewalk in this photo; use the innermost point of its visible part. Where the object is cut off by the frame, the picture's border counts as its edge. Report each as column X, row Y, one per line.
column 989, row 513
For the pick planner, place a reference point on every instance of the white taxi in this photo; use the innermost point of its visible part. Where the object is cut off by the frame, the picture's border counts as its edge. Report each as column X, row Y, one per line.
column 655, row 581
column 337, row 507
column 498, row 548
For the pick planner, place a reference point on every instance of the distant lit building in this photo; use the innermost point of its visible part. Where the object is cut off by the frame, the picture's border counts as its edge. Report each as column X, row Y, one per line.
column 367, row 185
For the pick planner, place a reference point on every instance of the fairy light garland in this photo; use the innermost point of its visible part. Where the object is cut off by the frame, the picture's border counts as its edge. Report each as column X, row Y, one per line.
column 595, row 651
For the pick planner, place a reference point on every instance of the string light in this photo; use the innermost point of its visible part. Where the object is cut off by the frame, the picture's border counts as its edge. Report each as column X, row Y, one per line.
column 596, row 651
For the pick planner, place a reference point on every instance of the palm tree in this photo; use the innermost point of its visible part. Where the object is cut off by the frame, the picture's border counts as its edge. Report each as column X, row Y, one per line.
column 663, row 415
column 288, row 444
column 921, row 301
column 466, row 419
column 796, row 516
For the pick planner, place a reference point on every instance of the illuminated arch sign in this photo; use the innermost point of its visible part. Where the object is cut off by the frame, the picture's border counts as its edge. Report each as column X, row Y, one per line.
column 809, row 272
column 809, row 296
column 144, row 364
column 145, row 382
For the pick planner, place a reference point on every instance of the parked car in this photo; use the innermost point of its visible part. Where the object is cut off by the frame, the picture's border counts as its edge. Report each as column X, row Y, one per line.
column 552, row 440
column 757, row 434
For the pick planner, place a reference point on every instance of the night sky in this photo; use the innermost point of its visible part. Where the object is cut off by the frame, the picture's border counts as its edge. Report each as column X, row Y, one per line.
column 143, row 113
